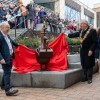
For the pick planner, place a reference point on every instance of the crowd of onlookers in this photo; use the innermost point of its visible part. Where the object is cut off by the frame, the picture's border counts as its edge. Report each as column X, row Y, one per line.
column 29, row 16
column 26, row 16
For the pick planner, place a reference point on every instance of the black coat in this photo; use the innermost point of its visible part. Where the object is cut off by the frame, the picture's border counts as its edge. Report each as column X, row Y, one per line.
column 4, row 49
column 89, row 43
column 31, row 12
column 97, row 51
column 3, row 15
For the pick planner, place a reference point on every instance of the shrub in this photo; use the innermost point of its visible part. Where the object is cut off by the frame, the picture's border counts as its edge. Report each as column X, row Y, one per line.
column 73, row 41
column 29, row 42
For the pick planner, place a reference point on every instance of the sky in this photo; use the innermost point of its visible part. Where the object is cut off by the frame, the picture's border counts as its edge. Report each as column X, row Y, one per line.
column 90, row 2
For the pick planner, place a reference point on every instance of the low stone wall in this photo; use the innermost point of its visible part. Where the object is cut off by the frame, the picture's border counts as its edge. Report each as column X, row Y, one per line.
column 47, row 79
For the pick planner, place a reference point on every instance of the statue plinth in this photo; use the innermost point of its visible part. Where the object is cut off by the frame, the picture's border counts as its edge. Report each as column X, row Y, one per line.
column 45, row 53
column 44, row 56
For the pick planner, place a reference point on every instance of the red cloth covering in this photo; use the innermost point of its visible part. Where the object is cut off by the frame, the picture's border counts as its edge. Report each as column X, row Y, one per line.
column 25, row 59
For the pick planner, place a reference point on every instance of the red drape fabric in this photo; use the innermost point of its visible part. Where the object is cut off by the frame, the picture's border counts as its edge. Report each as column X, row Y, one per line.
column 25, row 59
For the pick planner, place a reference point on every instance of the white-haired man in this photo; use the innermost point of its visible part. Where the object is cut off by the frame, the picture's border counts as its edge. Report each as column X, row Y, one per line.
column 6, row 55
column 88, row 38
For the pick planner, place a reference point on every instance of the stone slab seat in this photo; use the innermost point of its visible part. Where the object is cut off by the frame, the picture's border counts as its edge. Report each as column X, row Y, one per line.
column 61, row 80
column 46, row 79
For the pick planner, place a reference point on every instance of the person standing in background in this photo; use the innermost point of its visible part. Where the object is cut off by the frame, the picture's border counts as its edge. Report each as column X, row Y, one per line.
column 42, row 14
column 31, row 16
column 3, row 14
column 97, row 52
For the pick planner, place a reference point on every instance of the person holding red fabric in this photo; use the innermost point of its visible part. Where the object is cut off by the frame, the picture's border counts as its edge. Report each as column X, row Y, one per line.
column 88, row 39
column 6, row 54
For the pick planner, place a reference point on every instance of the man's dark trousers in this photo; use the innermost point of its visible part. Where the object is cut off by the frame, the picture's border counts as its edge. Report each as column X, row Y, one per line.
column 6, row 75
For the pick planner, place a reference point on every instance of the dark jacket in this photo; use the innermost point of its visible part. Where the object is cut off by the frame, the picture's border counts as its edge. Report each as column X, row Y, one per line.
column 31, row 12
column 3, row 15
column 89, row 43
column 4, row 49
column 97, row 51
column 55, row 22
column 42, row 14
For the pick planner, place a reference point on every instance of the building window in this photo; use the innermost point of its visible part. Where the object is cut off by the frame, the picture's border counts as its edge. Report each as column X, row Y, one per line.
column 49, row 5
column 72, row 14
column 89, row 19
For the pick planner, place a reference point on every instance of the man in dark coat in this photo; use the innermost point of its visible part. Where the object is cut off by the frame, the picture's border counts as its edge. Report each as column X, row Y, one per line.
column 88, row 38
column 31, row 15
column 6, row 56
column 97, row 51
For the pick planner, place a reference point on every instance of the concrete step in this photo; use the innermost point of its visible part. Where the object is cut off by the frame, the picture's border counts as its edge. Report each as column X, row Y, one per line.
column 18, row 32
column 40, row 26
column 75, row 58
column 13, row 36
column 75, row 65
column 12, row 31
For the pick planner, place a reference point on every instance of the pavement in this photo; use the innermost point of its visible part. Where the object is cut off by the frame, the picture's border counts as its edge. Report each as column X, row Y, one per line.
column 79, row 91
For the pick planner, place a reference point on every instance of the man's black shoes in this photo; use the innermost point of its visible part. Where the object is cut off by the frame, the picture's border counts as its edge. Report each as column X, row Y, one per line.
column 2, row 88
column 89, row 81
column 11, row 92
